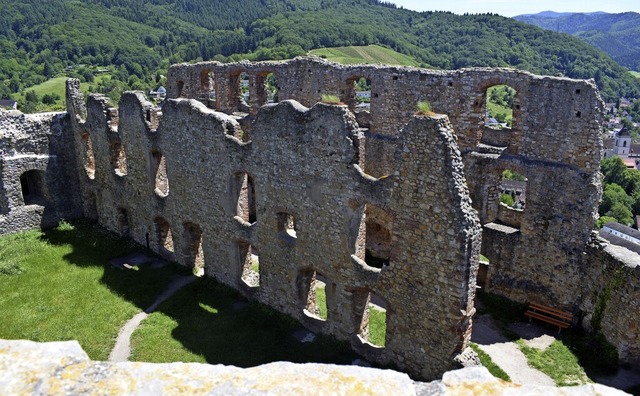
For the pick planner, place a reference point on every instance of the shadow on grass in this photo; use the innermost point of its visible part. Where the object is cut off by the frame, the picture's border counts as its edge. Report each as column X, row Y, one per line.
column 596, row 356
column 213, row 322
column 208, row 325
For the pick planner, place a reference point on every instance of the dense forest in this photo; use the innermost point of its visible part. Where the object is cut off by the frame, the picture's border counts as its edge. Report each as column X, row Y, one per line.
column 139, row 39
column 616, row 34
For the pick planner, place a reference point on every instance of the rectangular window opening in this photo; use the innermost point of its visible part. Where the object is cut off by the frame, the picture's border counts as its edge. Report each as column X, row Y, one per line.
column 373, row 326
column 164, row 237
column 249, row 261
column 193, row 248
column 243, row 189
column 316, row 304
column 161, row 180
column 287, row 224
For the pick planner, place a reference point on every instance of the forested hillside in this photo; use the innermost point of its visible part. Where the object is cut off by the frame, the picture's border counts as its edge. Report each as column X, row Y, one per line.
column 139, row 39
column 616, row 34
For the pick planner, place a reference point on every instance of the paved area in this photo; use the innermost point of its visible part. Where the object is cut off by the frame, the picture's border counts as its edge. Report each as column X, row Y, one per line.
column 508, row 356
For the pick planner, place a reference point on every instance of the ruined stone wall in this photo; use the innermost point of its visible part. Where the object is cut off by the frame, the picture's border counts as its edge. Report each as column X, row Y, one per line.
column 375, row 206
column 37, row 184
column 292, row 196
column 613, row 305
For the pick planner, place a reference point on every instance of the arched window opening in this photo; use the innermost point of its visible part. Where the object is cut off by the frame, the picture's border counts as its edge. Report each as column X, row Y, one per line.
column 33, row 185
column 244, row 196
column 249, row 261
column 89, row 159
column 373, row 323
column 163, row 237
column 193, row 248
column 499, row 106
column 118, row 158
column 315, row 290
column 159, row 168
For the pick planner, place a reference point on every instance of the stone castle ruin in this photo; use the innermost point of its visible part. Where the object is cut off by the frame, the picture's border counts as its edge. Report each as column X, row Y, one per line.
column 379, row 207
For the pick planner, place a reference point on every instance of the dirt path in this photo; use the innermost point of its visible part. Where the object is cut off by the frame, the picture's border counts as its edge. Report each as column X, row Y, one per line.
column 508, row 356
column 122, row 350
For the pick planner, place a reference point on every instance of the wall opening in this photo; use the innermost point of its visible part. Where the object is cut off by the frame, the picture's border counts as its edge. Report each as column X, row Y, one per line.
column 207, row 91
column 159, row 171
column 373, row 323
column 244, row 193
column 249, row 261
column 123, row 222
column 33, row 185
column 513, row 189
column 244, row 93
column 286, row 224
column 483, row 271
column 267, row 88
column 89, row 159
column 359, row 99
column 499, row 105
column 193, row 248
column 118, row 158
column 163, row 237
column 315, row 288
column 373, row 244
column 181, row 92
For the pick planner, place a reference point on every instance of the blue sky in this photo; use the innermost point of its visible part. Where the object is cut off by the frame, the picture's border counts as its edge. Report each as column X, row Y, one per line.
column 516, row 7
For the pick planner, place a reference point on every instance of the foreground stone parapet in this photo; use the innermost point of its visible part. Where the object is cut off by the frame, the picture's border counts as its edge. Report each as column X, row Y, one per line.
column 63, row 368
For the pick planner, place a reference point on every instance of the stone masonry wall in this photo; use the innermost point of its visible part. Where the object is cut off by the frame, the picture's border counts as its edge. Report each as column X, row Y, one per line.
column 295, row 196
column 376, row 206
column 37, row 186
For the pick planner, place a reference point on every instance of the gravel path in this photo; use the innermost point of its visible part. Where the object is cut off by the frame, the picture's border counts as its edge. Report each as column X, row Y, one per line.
column 508, row 356
column 122, row 350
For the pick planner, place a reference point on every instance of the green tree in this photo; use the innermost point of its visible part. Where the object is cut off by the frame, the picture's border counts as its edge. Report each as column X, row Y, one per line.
column 614, row 194
column 507, row 199
column 604, row 220
column 613, row 169
column 621, row 213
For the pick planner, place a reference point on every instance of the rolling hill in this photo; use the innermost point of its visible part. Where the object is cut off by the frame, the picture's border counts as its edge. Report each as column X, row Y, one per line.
column 616, row 34
column 370, row 54
column 141, row 38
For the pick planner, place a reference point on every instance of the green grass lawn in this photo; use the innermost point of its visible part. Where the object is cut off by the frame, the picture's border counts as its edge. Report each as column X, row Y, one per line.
column 64, row 288
column 201, row 324
column 487, row 362
column 370, row 54
column 377, row 325
column 57, row 85
column 557, row 361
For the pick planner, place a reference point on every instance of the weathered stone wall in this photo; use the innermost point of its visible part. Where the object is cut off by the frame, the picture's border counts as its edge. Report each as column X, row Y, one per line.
column 322, row 194
column 38, row 185
column 293, row 194
column 613, row 306
column 554, row 141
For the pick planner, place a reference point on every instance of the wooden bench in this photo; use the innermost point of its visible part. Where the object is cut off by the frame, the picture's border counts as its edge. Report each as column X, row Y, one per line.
column 557, row 317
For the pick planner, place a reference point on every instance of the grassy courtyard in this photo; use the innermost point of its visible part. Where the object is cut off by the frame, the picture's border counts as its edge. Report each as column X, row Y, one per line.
column 58, row 285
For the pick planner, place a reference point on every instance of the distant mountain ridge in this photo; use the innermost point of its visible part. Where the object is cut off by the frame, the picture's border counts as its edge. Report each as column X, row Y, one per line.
column 616, row 34
column 138, row 39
